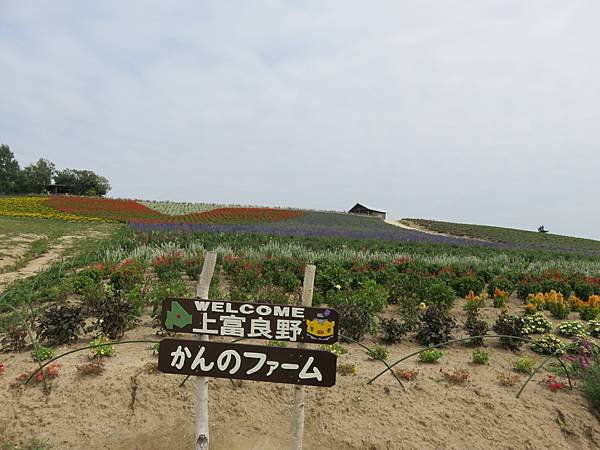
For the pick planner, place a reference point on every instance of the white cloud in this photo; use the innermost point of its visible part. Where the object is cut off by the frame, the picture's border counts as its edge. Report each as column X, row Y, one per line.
column 470, row 111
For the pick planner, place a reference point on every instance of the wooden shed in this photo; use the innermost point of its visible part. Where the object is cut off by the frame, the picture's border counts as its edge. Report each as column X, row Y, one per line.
column 59, row 189
column 362, row 209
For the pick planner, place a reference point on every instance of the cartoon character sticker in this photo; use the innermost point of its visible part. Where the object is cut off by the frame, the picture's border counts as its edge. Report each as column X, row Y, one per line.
column 320, row 328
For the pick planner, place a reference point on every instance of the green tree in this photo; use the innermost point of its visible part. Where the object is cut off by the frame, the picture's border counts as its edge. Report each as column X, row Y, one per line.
column 9, row 171
column 83, row 182
column 36, row 177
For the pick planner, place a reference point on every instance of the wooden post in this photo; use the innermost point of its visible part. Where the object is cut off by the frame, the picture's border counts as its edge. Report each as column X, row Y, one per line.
column 298, row 420
column 204, row 280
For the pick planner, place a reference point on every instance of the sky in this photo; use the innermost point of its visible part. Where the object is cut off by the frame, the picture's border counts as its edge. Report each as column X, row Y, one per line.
column 468, row 111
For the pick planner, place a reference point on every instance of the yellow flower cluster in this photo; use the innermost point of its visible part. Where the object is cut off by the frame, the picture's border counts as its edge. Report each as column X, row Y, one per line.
column 38, row 207
column 576, row 303
column 536, row 302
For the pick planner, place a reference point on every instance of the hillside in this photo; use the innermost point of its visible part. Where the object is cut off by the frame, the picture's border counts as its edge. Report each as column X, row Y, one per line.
column 509, row 236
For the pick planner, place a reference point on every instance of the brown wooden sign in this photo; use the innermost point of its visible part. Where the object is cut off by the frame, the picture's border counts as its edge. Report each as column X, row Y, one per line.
column 247, row 362
column 251, row 320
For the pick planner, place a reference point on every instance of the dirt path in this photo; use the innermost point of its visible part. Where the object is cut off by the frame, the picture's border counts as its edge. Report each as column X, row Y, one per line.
column 38, row 264
column 408, row 225
column 12, row 248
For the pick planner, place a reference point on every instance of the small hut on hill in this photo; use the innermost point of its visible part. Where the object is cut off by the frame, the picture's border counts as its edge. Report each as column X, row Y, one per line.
column 362, row 209
column 56, row 189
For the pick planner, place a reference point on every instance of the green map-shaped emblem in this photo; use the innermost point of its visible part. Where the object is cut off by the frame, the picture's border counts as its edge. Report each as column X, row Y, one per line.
column 177, row 317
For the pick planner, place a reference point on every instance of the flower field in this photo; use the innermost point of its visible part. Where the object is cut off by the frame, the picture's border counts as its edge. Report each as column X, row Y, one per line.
column 94, row 209
column 179, row 208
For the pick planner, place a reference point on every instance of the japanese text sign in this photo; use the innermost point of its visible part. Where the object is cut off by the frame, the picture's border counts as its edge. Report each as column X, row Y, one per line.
column 247, row 362
column 251, row 320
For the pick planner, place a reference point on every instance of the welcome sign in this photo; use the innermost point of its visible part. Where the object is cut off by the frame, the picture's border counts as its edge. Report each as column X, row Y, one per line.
column 251, row 320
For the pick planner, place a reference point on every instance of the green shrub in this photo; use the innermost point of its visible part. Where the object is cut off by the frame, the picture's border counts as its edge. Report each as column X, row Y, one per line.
column 524, row 364
column 481, row 357
column 501, row 282
column 430, row 355
column 589, row 313
column 105, row 349
column 439, row 294
column 60, row 324
column 436, row 326
column 463, row 285
column 379, row 352
column 42, row 353
column 160, row 291
column 126, row 275
column 548, row 345
column 535, row 323
column 559, row 310
column 591, row 385
column 509, row 325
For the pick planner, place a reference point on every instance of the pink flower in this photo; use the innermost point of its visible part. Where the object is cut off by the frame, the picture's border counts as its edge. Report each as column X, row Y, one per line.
column 2, row 368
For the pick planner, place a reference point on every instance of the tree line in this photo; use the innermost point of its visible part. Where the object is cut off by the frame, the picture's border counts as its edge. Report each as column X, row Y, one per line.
column 34, row 178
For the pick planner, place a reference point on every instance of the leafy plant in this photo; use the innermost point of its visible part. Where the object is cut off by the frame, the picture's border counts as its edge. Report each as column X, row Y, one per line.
column 105, row 347
column 511, row 327
column 589, row 313
column 336, row 348
column 476, row 327
column 441, row 295
column 462, row 285
column 535, row 323
column 42, row 353
column 572, row 328
column 559, row 310
column 346, row 369
column 591, row 385
column 378, row 352
column 507, row 379
column 457, row 376
column 481, row 357
column 594, row 328
column 548, row 345
column 524, row 364
column 407, row 374
column 553, row 384
column 436, row 326
column 392, row 330
column 15, row 338
column 61, row 324
column 114, row 314
column 430, row 355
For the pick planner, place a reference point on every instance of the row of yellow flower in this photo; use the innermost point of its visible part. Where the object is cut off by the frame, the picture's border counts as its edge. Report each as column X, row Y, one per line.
column 38, row 207
column 541, row 300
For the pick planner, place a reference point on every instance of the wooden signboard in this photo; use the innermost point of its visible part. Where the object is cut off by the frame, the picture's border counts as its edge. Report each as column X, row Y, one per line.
column 247, row 362
column 251, row 320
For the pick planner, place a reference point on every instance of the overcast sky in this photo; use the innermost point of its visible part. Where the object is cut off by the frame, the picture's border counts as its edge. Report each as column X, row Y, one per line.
column 470, row 111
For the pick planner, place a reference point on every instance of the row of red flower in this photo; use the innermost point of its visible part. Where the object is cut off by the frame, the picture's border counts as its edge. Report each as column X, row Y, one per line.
column 132, row 211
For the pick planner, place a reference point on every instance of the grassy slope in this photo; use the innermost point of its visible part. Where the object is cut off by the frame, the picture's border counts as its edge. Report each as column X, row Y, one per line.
column 531, row 239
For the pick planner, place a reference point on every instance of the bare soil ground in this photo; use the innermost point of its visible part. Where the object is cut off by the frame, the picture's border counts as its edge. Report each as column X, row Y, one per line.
column 19, row 245
column 408, row 225
column 129, row 407
column 14, row 247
